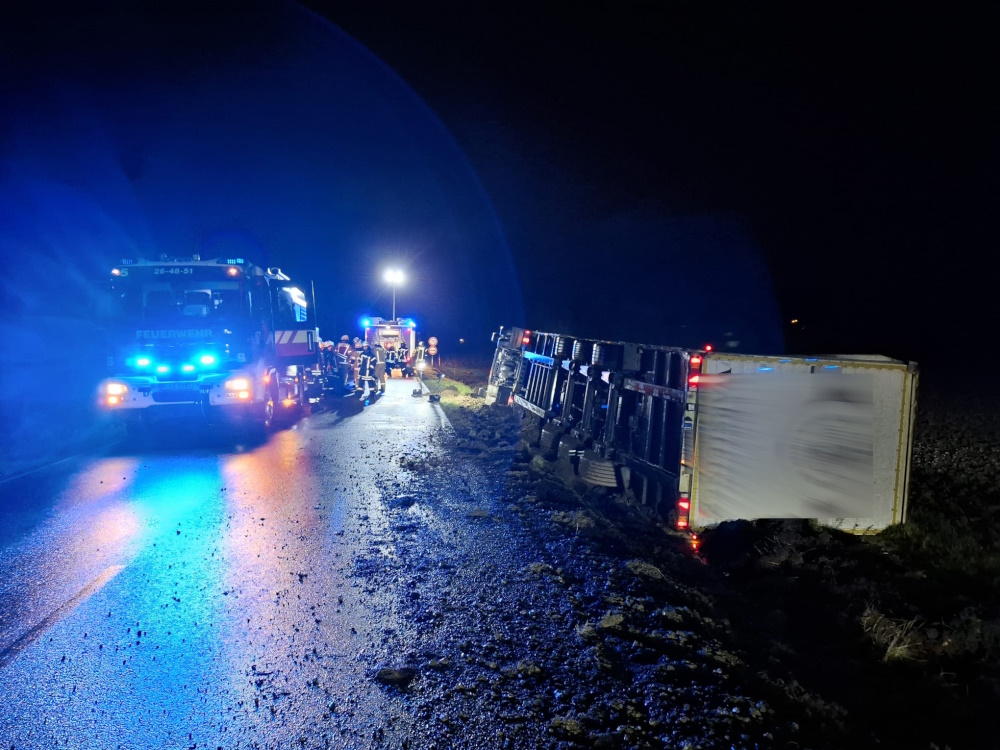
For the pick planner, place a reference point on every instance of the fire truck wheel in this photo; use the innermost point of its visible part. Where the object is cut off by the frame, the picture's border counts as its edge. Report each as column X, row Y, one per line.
column 267, row 411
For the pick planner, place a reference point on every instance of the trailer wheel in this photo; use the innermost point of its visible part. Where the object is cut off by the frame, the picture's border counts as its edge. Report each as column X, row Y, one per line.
column 581, row 351
column 563, row 347
column 596, row 470
column 605, row 355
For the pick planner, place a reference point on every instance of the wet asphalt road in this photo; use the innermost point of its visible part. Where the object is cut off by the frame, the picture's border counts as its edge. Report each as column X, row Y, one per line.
column 207, row 596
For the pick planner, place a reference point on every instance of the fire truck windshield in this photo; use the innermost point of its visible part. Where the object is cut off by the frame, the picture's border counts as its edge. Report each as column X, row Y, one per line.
column 202, row 294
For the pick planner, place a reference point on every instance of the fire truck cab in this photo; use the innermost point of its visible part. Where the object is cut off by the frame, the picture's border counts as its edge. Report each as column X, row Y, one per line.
column 219, row 340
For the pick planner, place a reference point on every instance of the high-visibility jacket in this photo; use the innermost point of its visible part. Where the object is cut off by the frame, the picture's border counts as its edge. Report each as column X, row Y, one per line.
column 420, row 352
column 366, row 365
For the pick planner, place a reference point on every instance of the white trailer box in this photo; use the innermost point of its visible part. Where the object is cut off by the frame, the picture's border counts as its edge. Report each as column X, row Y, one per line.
column 828, row 438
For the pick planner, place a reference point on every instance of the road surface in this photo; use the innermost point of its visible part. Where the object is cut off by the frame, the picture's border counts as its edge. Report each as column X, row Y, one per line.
column 207, row 597
column 364, row 579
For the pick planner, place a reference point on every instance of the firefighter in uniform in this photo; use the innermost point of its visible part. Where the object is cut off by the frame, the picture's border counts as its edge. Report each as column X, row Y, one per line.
column 419, row 353
column 343, row 363
column 380, row 359
column 391, row 359
column 404, row 355
column 366, row 370
column 357, row 347
column 344, row 347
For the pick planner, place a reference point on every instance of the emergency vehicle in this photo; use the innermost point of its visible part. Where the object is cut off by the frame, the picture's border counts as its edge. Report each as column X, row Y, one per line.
column 393, row 333
column 218, row 340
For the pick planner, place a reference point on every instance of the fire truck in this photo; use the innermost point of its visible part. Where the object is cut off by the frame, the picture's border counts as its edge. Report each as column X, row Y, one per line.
column 217, row 340
column 393, row 333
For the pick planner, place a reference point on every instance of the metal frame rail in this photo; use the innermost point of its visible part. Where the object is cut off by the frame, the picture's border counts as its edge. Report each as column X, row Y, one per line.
column 620, row 403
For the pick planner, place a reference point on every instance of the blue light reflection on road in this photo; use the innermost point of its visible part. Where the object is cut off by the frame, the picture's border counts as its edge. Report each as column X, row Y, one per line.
column 144, row 664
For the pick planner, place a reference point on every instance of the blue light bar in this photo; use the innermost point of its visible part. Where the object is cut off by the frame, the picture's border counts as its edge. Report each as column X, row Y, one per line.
column 207, row 359
column 142, row 362
column 187, row 368
column 163, row 368
column 766, row 369
column 831, row 367
column 235, row 261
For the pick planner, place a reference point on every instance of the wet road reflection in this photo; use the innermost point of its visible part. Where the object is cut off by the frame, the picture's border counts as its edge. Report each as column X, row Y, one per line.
column 181, row 598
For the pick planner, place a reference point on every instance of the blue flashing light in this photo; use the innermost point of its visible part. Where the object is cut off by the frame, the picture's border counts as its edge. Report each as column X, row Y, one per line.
column 785, row 361
column 366, row 322
column 412, row 324
column 766, row 369
column 162, row 368
column 831, row 367
column 142, row 362
column 187, row 368
column 207, row 359
column 812, row 359
column 235, row 261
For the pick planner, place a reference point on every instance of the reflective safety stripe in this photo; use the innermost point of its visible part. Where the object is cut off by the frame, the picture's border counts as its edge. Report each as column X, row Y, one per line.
column 291, row 343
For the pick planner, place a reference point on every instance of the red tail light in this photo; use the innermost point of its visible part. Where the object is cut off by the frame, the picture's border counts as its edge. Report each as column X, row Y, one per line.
column 693, row 380
column 683, row 510
column 696, row 361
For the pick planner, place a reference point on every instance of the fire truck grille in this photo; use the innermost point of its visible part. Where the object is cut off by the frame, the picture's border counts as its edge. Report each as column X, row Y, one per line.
column 176, row 396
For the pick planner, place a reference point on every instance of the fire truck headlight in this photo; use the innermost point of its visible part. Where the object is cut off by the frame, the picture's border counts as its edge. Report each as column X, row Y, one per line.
column 238, row 384
column 116, row 389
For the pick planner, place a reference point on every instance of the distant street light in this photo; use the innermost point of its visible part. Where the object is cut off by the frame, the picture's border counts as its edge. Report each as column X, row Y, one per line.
column 394, row 276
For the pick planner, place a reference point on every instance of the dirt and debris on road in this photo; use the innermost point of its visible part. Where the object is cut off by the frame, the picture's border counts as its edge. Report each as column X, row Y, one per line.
column 598, row 626
column 407, row 582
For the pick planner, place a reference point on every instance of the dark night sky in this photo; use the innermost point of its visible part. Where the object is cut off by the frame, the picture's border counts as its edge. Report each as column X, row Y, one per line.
column 858, row 145
column 652, row 172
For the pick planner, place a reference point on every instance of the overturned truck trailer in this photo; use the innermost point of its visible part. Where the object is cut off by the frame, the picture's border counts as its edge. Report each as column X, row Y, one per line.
column 706, row 437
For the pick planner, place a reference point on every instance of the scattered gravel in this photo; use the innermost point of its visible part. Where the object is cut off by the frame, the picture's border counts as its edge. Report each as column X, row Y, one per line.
column 575, row 618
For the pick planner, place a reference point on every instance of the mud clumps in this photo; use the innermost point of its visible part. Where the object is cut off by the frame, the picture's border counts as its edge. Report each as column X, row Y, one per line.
column 775, row 633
